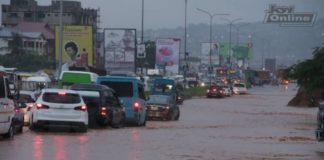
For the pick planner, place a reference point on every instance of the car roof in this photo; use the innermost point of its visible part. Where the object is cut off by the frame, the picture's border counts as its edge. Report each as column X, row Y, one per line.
column 109, row 78
column 54, row 90
column 90, row 87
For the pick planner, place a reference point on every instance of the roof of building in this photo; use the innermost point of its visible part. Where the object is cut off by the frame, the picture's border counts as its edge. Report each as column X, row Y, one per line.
column 35, row 27
column 6, row 32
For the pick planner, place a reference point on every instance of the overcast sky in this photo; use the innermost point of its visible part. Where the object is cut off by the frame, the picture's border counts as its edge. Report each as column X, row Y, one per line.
column 170, row 13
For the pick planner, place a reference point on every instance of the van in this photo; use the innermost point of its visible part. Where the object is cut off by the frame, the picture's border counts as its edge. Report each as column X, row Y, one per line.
column 130, row 91
column 7, row 107
column 68, row 78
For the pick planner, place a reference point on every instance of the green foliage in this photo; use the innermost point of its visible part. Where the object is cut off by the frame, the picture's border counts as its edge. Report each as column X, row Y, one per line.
column 26, row 62
column 16, row 45
column 194, row 91
column 310, row 73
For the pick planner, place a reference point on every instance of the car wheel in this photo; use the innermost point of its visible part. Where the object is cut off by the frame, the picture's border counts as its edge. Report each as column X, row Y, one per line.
column 10, row 133
column 83, row 128
column 178, row 114
column 319, row 135
column 32, row 125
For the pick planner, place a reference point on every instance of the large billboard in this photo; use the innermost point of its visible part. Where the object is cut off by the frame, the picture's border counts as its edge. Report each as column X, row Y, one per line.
column 77, row 48
column 167, row 54
column 206, row 57
column 120, row 49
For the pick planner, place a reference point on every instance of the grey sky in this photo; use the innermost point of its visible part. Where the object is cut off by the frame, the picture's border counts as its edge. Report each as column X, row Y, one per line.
column 170, row 13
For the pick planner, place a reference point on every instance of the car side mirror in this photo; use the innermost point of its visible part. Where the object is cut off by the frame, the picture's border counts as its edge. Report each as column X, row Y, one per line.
column 147, row 98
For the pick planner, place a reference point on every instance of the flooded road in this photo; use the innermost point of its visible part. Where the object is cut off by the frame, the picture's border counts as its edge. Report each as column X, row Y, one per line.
column 255, row 126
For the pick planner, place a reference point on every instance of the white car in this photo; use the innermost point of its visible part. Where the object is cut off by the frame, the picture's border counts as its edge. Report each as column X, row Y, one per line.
column 239, row 88
column 28, row 98
column 7, row 107
column 227, row 90
column 59, row 107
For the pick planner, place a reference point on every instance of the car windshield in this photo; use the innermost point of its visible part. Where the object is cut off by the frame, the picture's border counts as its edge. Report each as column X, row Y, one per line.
column 163, row 88
column 239, row 85
column 67, row 98
column 159, row 100
column 25, row 98
column 90, row 98
column 122, row 89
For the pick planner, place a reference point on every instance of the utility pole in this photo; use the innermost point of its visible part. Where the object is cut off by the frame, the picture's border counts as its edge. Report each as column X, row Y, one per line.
column 211, row 16
column 185, row 47
column 60, row 39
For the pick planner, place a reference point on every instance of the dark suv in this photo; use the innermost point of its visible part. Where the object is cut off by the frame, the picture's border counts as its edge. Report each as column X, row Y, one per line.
column 103, row 105
column 215, row 91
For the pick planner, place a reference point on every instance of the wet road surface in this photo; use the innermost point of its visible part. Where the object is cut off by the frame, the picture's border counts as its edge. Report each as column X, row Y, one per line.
column 255, row 126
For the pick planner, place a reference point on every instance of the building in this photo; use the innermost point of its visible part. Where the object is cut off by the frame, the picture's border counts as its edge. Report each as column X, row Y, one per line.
column 32, row 42
column 270, row 65
column 30, row 11
column 25, row 12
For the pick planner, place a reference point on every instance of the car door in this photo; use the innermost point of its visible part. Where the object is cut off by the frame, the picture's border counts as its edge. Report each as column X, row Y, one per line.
column 112, row 102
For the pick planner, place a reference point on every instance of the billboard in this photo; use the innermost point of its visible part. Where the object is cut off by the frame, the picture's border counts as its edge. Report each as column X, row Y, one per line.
column 167, row 54
column 205, row 57
column 120, row 49
column 77, row 48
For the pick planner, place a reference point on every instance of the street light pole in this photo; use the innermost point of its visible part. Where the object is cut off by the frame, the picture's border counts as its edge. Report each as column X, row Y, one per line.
column 185, row 46
column 142, row 34
column 229, row 60
column 60, row 40
column 211, row 16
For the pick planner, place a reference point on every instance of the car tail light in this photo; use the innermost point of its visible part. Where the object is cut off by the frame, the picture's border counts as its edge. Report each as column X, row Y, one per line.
column 167, row 107
column 41, row 106
column 61, row 93
column 178, row 98
column 103, row 111
column 136, row 106
column 17, row 110
column 214, row 90
column 81, row 108
column 207, row 90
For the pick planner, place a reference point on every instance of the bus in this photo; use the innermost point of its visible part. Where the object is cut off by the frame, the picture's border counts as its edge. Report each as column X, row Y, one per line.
column 68, row 78
column 36, row 83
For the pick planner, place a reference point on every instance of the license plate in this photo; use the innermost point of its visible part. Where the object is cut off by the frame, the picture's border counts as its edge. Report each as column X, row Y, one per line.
column 154, row 108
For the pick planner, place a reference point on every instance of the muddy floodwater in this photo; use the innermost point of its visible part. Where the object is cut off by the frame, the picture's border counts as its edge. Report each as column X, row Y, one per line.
column 254, row 126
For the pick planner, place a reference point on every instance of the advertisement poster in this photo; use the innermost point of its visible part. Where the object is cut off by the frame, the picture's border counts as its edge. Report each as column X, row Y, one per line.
column 120, row 49
column 167, row 54
column 205, row 57
column 77, row 48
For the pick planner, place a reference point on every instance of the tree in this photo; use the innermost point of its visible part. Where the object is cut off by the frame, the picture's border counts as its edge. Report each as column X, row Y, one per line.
column 16, row 45
column 310, row 78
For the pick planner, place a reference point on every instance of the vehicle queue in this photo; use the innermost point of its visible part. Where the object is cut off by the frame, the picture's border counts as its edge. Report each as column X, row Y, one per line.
column 83, row 100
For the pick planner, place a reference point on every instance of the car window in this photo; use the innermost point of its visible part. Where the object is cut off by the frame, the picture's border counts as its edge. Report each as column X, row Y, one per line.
column 111, row 99
column 159, row 99
column 67, row 98
column 90, row 98
column 25, row 98
column 239, row 85
column 7, row 84
column 2, row 88
column 163, row 88
column 141, row 93
column 122, row 89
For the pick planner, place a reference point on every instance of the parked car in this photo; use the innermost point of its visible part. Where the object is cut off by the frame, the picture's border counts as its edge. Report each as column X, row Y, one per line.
column 130, row 91
column 215, row 91
column 6, row 108
column 28, row 98
column 59, row 107
column 163, row 107
column 103, row 105
column 227, row 90
column 239, row 88
column 320, row 122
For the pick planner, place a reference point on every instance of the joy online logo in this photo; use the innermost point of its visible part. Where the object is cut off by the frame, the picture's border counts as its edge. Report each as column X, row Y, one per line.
column 286, row 16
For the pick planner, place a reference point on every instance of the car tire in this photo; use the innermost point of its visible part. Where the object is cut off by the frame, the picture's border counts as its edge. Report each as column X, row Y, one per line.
column 178, row 114
column 10, row 134
column 83, row 128
column 319, row 135
column 32, row 125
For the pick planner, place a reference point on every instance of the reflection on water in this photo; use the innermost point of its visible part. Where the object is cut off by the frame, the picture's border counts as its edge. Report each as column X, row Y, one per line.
column 82, row 147
column 135, row 151
column 59, row 145
column 38, row 147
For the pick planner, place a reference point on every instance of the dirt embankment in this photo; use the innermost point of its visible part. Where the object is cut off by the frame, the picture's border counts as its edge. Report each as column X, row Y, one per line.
column 303, row 98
